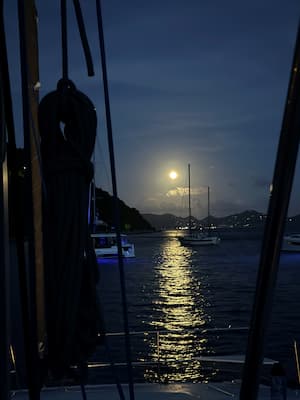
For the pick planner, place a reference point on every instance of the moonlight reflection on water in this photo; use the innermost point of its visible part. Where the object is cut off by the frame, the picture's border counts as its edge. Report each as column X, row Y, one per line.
column 180, row 304
column 176, row 292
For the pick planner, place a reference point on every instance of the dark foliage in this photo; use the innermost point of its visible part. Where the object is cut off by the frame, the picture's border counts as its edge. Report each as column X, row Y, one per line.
column 131, row 219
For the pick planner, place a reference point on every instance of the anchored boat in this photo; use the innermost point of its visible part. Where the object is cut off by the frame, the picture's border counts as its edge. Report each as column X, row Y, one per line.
column 291, row 242
column 198, row 238
column 105, row 245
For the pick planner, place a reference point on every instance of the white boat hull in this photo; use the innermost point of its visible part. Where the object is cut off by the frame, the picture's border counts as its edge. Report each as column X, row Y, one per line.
column 199, row 241
column 291, row 243
column 127, row 251
column 105, row 245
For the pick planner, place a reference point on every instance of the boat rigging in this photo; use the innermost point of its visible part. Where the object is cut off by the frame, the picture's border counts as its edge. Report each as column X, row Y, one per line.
column 198, row 238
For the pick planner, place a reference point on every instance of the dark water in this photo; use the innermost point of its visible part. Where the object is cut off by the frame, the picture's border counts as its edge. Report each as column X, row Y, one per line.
column 181, row 291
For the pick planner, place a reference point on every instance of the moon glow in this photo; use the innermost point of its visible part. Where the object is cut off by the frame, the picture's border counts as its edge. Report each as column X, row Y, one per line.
column 173, row 175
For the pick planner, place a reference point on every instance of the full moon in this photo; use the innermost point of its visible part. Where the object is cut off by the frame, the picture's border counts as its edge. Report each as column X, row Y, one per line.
column 173, row 175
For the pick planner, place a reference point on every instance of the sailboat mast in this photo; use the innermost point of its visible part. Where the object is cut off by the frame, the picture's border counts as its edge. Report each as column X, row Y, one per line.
column 190, row 213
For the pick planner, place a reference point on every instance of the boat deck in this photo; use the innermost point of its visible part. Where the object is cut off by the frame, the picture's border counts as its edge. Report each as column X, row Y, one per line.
column 149, row 391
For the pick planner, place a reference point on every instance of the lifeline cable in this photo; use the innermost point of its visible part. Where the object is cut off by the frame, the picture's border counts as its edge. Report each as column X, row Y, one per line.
column 115, row 195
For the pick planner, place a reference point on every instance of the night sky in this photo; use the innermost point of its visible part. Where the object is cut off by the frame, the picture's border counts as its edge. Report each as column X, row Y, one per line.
column 199, row 82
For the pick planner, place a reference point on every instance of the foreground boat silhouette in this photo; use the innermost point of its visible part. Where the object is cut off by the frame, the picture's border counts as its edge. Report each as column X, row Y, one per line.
column 249, row 387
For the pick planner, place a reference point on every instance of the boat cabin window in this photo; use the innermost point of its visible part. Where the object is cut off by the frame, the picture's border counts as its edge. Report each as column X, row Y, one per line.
column 107, row 241
column 101, row 242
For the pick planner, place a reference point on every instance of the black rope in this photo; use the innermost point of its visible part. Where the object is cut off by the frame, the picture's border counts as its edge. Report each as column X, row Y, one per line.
column 71, row 272
column 83, row 37
column 83, row 392
column 104, row 339
column 113, row 369
column 64, row 39
column 84, row 41
column 115, row 196
column 83, row 370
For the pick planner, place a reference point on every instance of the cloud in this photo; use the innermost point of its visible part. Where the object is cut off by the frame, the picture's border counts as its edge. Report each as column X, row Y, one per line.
column 161, row 205
column 177, row 192
column 184, row 191
column 174, row 201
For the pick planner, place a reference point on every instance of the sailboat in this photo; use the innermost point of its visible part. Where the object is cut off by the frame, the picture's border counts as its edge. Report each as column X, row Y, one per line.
column 198, row 238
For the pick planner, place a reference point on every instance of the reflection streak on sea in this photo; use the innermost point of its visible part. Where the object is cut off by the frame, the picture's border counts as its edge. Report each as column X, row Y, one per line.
column 180, row 304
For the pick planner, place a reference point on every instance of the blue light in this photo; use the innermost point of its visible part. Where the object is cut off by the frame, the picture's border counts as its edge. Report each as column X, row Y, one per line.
column 289, row 258
column 114, row 260
column 107, row 260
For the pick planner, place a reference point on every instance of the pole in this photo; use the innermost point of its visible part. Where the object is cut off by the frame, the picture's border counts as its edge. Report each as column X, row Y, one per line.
column 274, row 228
column 4, row 251
column 28, row 59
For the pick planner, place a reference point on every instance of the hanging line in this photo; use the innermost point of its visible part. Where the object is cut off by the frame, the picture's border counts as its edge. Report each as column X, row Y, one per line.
column 115, row 196
column 113, row 368
column 84, row 41
column 278, row 206
column 83, row 37
column 108, row 353
column 64, row 39
column 89, row 63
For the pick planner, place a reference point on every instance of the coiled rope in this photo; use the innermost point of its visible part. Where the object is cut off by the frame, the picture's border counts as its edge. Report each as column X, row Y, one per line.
column 70, row 263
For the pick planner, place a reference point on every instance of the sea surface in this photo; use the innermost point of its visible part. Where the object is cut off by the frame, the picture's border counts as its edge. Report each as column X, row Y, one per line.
column 181, row 302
